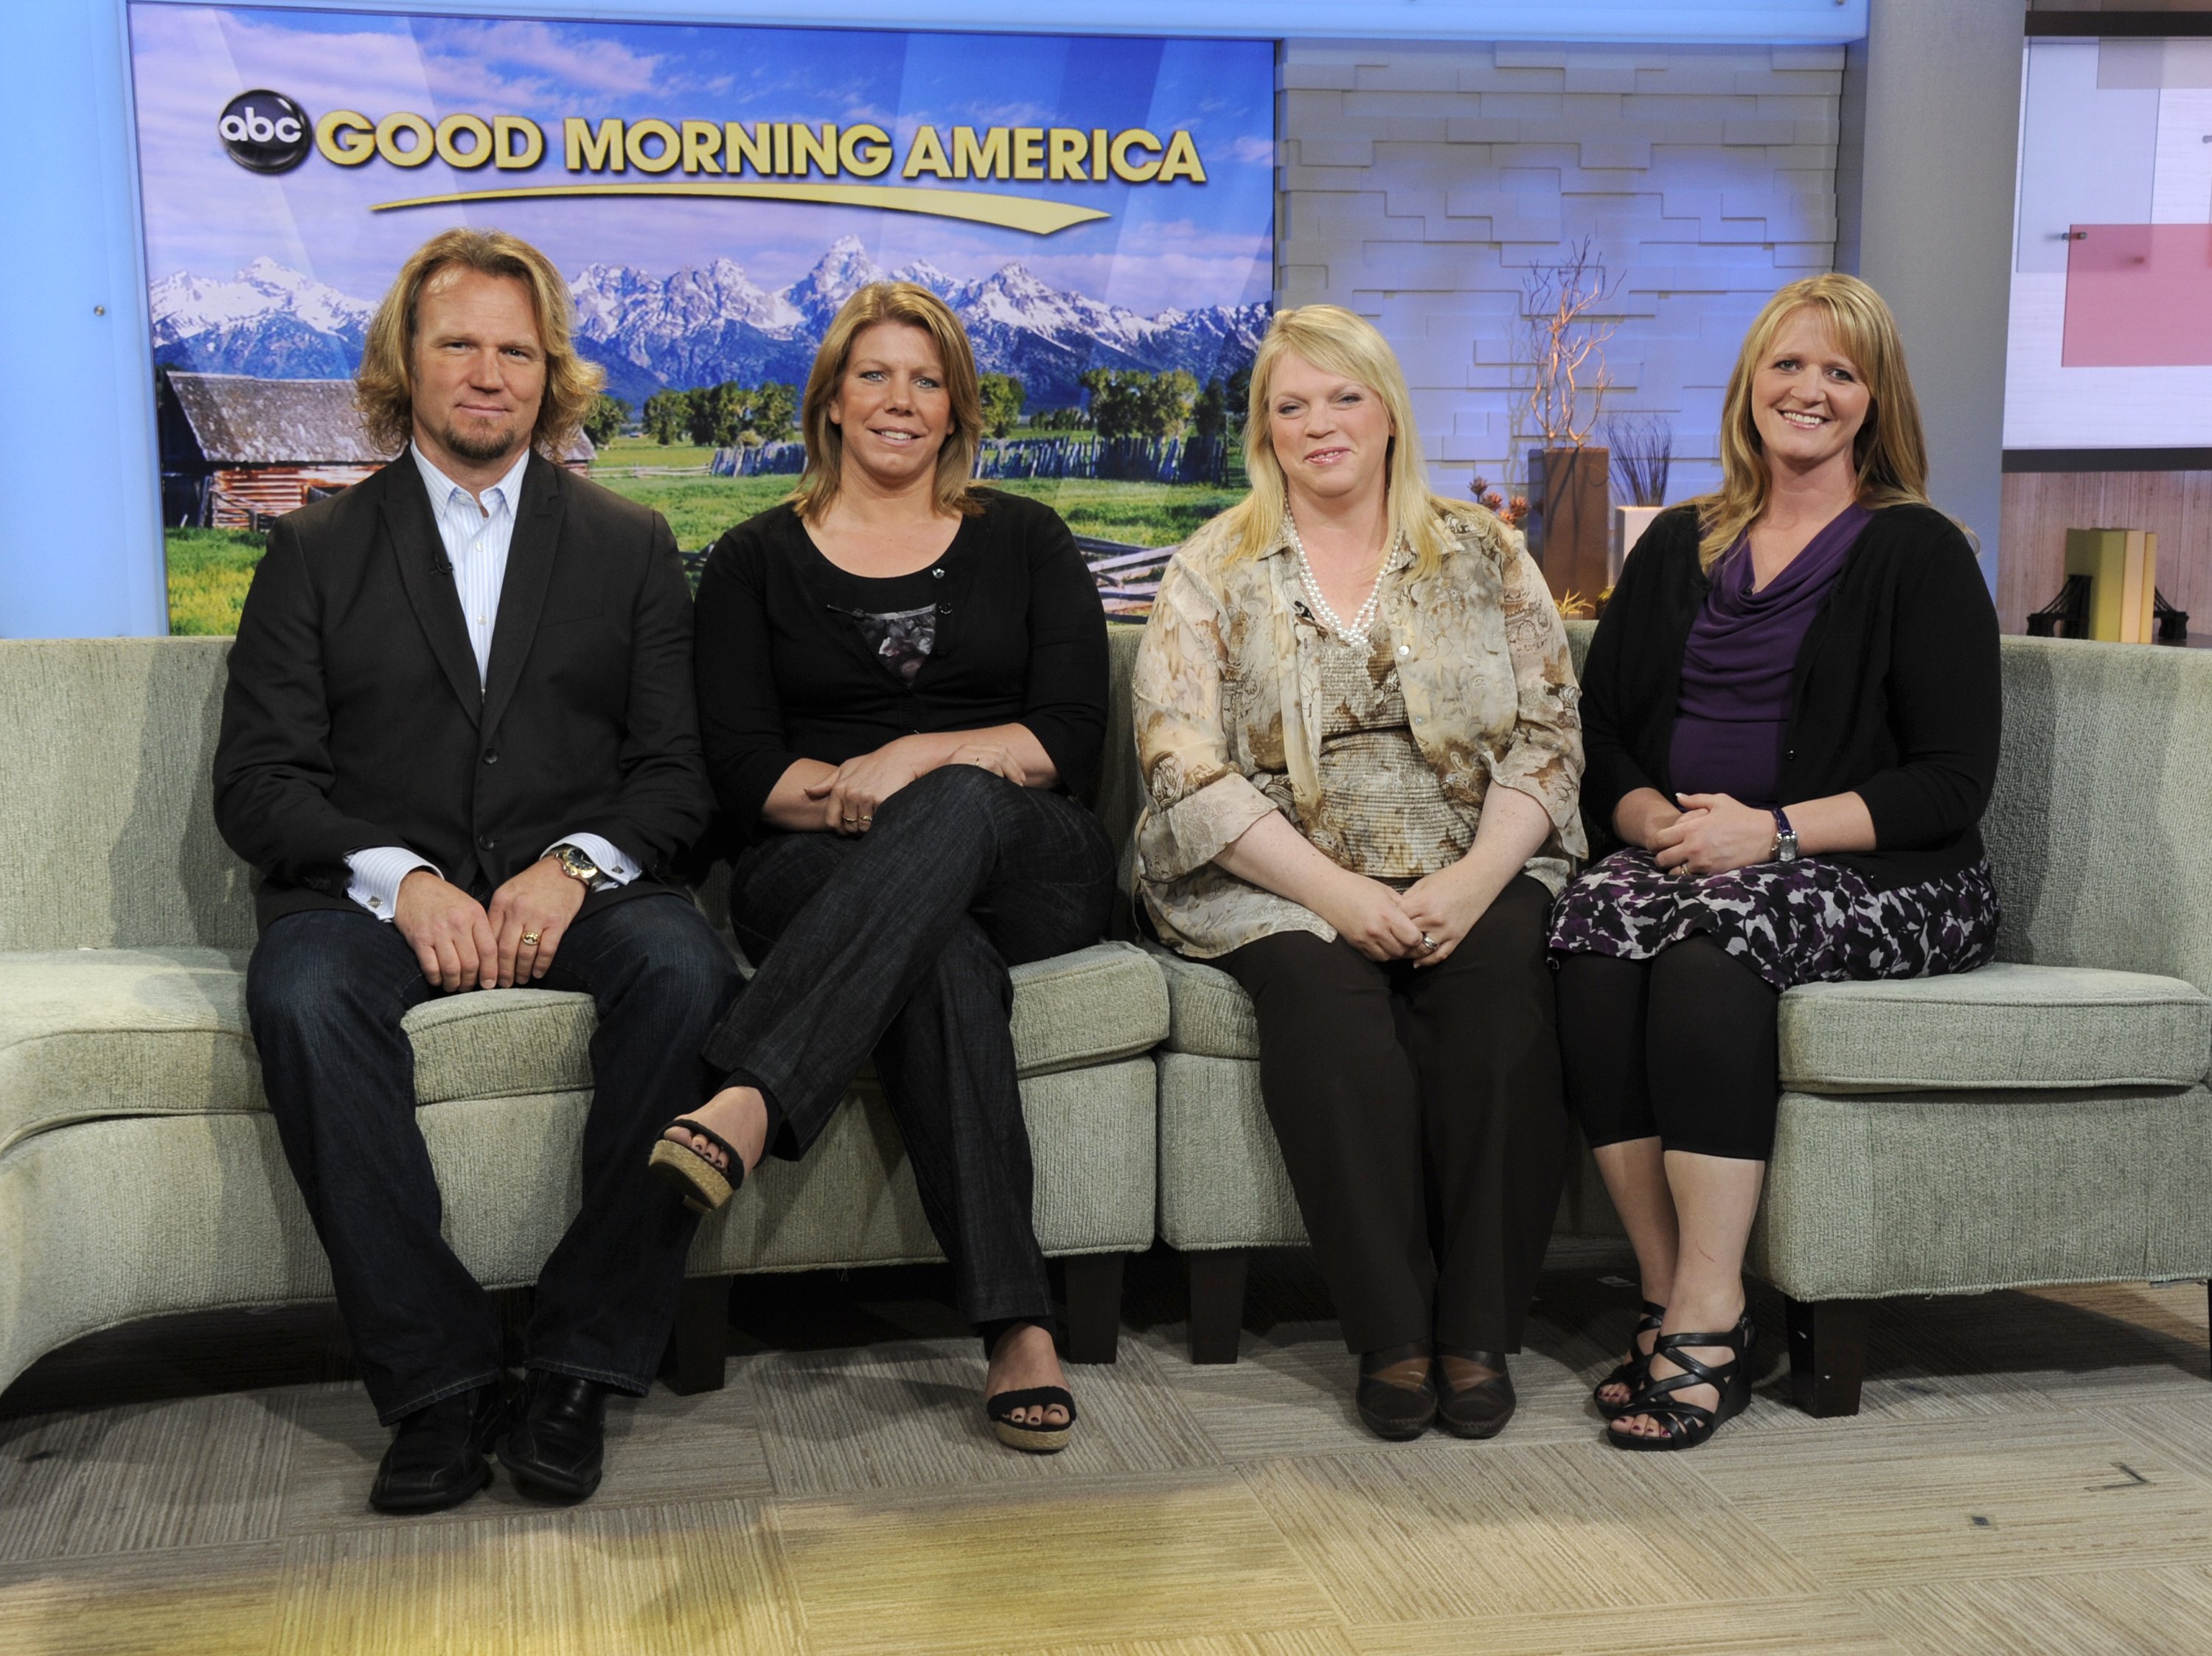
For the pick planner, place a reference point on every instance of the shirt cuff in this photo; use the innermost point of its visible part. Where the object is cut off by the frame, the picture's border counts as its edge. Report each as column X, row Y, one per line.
column 612, row 864
column 377, row 872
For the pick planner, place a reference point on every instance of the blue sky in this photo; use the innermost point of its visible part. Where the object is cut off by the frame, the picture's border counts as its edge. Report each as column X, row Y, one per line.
column 1179, row 246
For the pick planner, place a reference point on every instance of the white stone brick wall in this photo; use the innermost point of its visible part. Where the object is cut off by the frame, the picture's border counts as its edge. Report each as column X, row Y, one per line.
column 1420, row 182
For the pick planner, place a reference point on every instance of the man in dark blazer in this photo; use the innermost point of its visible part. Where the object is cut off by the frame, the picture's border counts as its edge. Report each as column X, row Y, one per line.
column 459, row 745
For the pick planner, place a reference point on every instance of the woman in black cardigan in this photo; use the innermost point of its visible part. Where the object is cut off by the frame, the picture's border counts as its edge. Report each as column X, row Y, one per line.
column 1790, row 714
column 902, row 685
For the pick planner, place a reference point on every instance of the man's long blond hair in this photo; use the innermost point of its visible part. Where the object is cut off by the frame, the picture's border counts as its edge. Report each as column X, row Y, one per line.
column 916, row 306
column 384, row 388
column 1336, row 341
column 1889, row 451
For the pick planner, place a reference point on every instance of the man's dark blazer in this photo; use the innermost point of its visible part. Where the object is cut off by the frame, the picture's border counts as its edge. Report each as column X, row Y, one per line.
column 354, row 716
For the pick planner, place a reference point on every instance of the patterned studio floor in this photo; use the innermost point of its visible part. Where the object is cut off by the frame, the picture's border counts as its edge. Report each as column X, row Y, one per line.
column 2031, row 1472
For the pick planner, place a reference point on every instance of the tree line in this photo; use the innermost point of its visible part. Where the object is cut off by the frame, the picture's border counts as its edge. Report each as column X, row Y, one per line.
column 1119, row 403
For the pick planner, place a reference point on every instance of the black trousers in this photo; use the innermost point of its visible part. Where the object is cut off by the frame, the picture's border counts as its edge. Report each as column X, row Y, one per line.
column 1419, row 1116
column 1682, row 1047
column 896, row 944
column 325, row 991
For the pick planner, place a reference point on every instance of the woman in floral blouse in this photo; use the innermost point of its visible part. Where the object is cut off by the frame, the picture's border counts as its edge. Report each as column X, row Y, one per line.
column 1356, row 721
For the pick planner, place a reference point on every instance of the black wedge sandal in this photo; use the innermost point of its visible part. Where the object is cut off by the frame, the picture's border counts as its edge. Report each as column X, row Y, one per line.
column 1635, row 1373
column 705, row 1187
column 1030, row 1440
column 1686, row 1425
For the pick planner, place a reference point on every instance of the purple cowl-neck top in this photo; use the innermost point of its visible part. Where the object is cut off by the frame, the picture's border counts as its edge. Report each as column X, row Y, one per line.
column 1734, row 710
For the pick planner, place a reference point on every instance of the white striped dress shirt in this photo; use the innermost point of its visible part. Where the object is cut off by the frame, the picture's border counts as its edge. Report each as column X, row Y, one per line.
column 476, row 532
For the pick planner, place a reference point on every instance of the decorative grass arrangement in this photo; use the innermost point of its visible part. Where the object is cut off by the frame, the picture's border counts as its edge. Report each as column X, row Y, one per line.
column 1643, row 447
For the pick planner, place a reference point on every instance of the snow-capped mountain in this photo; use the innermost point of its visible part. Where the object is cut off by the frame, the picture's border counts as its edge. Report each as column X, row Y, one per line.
column 268, row 320
column 701, row 326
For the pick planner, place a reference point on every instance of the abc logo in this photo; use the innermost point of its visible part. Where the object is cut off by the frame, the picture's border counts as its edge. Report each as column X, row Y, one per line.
column 265, row 131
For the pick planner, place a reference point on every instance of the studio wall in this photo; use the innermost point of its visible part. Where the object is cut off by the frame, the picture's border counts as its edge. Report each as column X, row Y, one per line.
column 1420, row 181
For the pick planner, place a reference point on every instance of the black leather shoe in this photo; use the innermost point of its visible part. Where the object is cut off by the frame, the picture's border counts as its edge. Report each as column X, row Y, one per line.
column 437, row 1454
column 558, row 1441
column 1396, row 1398
column 1481, row 1408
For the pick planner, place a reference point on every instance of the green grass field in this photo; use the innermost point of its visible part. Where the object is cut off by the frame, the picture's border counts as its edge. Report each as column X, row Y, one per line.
column 211, row 568
column 209, row 572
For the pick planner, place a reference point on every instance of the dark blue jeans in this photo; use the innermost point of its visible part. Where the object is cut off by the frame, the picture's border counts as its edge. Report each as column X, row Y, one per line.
column 896, row 944
column 326, row 991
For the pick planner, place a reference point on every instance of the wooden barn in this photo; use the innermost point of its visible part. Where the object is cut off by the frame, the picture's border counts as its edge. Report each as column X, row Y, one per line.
column 237, row 451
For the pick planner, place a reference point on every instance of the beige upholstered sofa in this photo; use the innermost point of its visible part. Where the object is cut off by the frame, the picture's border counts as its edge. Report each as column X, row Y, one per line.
column 139, row 1168
column 2043, row 1121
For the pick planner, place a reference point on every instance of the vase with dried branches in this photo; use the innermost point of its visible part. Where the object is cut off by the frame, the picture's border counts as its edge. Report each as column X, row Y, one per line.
column 1565, row 329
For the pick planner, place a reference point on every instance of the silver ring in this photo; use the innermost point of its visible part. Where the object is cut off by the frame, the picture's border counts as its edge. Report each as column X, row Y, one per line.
column 1427, row 942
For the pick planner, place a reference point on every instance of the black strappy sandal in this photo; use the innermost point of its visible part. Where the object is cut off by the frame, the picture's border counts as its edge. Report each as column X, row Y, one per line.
column 1686, row 1425
column 1635, row 1373
column 705, row 1187
column 1030, row 1440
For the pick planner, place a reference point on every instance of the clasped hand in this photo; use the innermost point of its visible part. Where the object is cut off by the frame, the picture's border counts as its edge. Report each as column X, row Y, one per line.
column 1714, row 833
column 461, row 945
column 1386, row 924
column 851, row 796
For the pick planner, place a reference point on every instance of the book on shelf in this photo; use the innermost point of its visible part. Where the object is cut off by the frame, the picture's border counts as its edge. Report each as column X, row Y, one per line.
column 2122, row 567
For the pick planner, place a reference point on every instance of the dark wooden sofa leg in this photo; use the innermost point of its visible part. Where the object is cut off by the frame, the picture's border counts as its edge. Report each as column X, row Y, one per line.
column 1217, row 1303
column 701, row 1339
column 1094, row 1306
column 1827, row 1355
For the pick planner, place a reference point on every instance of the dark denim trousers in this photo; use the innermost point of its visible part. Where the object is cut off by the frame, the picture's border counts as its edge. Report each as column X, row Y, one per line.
column 897, row 943
column 326, row 991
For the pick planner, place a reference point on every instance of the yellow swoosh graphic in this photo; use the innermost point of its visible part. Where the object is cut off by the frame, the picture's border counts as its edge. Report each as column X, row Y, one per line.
column 1027, row 213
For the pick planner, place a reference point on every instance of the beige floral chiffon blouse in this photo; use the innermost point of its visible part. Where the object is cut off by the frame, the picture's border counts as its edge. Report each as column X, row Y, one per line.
column 1229, row 715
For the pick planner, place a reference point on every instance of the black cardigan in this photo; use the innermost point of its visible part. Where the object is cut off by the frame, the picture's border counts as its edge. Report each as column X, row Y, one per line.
column 1895, row 696
column 783, row 674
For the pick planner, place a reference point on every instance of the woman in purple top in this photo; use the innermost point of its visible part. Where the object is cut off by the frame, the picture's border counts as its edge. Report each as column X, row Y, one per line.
column 1791, row 715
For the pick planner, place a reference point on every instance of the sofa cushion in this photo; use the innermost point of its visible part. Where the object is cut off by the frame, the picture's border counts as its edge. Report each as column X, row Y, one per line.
column 1209, row 1013
column 2003, row 1026
column 90, row 1033
column 95, row 1032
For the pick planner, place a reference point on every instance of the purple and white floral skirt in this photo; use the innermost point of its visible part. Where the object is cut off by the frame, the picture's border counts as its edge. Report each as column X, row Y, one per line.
column 1810, row 921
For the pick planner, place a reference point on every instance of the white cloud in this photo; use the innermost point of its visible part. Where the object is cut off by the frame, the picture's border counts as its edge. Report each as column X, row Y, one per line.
column 588, row 63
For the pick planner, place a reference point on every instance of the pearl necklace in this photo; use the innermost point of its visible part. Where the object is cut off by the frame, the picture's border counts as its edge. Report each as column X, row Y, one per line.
column 1354, row 631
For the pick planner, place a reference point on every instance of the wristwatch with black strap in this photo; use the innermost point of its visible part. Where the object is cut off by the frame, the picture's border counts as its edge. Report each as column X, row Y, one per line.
column 577, row 866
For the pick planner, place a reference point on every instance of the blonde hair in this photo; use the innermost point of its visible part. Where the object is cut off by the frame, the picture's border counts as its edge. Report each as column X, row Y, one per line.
column 1336, row 341
column 384, row 386
column 916, row 306
column 1889, row 451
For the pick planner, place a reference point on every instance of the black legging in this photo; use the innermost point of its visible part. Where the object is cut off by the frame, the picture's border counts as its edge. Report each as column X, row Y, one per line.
column 1680, row 1047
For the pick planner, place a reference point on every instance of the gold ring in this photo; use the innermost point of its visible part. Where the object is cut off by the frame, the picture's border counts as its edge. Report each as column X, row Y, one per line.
column 529, row 940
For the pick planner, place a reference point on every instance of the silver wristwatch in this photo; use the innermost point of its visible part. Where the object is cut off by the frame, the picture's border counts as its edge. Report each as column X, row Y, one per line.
column 1785, row 837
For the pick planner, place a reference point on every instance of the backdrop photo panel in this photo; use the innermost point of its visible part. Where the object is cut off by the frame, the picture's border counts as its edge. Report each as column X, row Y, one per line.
column 1098, row 211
